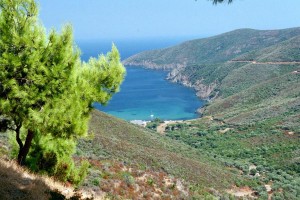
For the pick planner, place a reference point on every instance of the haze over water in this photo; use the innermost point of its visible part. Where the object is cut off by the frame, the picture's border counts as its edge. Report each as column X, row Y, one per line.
column 145, row 94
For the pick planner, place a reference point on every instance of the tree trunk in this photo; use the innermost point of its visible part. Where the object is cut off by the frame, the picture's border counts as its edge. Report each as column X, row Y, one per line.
column 18, row 129
column 25, row 149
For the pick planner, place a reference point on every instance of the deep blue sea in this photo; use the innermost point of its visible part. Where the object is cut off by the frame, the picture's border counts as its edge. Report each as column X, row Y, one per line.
column 145, row 94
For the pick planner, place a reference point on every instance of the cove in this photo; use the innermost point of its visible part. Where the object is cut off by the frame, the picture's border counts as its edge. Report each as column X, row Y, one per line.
column 146, row 94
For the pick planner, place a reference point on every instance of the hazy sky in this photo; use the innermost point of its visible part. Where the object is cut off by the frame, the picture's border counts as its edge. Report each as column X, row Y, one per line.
column 117, row 19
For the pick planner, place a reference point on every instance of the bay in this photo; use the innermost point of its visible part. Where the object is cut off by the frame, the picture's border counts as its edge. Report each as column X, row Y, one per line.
column 145, row 94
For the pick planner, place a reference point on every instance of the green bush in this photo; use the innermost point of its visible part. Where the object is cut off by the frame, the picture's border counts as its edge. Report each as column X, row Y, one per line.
column 150, row 181
column 96, row 182
column 78, row 174
column 48, row 162
column 154, row 123
column 252, row 172
column 128, row 178
column 63, row 170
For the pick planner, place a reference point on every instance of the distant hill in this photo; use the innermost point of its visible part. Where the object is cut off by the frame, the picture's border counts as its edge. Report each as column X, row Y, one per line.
column 215, row 49
column 286, row 51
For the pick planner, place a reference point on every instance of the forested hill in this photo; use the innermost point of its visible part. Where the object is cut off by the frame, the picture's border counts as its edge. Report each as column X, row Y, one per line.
column 215, row 49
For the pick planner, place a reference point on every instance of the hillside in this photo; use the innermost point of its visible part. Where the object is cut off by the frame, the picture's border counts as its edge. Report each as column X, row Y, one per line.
column 215, row 49
column 266, row 152
column 260, row 92
column 286, row 51
column 132, row 162
column 252, row 119
column 115, row 139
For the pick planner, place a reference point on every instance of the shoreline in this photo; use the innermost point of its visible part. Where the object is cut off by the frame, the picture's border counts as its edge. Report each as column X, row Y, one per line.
column 201, row 91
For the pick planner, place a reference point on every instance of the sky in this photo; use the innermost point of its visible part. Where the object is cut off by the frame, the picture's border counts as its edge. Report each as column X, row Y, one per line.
column 129, row 19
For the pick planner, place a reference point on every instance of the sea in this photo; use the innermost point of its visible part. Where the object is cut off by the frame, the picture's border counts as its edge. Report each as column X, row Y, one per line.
column 145, row 94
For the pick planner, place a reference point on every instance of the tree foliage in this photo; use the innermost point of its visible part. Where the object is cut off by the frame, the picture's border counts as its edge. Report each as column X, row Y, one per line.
column 221, row 1
column 45, row 89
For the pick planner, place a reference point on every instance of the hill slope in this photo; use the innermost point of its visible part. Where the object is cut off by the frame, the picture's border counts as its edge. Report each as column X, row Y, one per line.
column 286, row 51
column 130, row 162
column 118, row 139
column 252, row 119
column 215, row 49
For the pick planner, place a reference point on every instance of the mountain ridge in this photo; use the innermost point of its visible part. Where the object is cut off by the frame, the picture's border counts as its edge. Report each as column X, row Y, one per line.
column 213, row 49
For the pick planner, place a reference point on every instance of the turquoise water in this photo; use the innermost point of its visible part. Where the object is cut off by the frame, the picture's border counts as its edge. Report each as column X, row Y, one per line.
column 145, row 94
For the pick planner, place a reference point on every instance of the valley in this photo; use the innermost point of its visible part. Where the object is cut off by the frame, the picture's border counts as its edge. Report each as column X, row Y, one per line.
column 251, row 81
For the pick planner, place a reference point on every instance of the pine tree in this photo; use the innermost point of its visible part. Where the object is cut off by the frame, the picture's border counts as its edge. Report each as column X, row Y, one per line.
column 221, row 1
column 45, row 89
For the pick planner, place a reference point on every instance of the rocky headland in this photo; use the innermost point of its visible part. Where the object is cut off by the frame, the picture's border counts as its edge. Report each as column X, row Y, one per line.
column 176, row 75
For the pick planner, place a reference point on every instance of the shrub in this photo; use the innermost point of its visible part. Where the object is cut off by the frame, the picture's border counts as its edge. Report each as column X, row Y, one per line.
column 48, row 162
column 96, row 182
column 63, row 171
column 128, row 178
column 252, row 172
column 78, row 175
column 150, row 181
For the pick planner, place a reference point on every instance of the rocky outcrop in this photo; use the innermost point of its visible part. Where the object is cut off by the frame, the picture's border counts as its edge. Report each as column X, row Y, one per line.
column 203, row 91
column 176, row 75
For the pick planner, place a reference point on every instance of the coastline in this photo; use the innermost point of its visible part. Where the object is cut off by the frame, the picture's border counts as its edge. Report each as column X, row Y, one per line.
column 202, row 91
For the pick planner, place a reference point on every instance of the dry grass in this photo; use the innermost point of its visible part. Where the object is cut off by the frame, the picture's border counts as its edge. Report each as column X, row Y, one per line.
column 118, row 139
column 18, row 183
column 123, row 181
